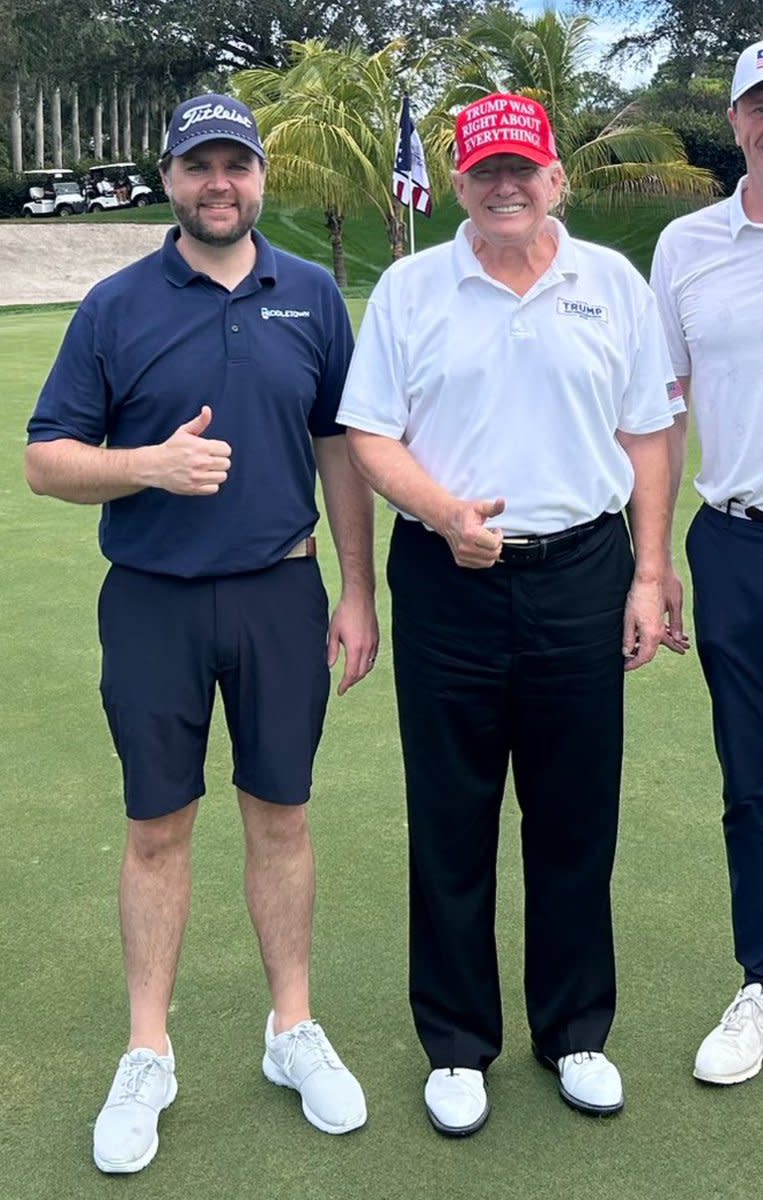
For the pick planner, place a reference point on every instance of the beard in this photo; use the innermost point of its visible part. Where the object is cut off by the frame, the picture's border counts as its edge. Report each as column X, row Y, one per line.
column 192, row 223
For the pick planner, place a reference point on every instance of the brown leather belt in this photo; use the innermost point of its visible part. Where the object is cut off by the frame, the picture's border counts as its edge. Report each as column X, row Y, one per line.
column 305, row 548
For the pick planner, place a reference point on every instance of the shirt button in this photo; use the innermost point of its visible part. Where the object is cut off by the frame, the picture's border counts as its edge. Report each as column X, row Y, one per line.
column 234, row 328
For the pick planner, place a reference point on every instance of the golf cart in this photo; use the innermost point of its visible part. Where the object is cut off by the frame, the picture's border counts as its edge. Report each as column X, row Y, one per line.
column 129, row 186
column 99, row 191
column 53, row 194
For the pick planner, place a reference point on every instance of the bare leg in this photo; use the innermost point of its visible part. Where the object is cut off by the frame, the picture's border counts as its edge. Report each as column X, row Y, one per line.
column 154, row 900
column 280, row 891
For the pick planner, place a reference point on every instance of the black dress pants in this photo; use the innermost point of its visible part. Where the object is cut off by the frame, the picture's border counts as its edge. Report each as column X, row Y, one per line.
column 726, row 559
column 519, row 663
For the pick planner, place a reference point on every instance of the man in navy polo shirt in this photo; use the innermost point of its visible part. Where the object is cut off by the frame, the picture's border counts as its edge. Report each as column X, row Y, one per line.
column 193, row 396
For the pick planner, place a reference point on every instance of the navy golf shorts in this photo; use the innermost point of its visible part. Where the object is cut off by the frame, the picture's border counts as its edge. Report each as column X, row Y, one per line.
column 168, row 643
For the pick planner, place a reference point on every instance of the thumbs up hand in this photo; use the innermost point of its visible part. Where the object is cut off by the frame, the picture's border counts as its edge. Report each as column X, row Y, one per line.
column 471, row 543
column 189, row 464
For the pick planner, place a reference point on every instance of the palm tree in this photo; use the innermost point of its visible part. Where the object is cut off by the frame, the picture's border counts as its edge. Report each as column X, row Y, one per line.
column 329, row 123
column 546, row 59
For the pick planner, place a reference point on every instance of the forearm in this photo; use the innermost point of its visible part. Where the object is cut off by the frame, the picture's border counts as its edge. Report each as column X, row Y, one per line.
column 83, row 474
column 649, row 506
column 393, row 472
column 677, row 436
column 350, row 511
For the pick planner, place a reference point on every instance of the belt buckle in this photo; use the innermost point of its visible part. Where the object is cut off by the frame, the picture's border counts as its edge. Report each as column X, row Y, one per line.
column 521, row 548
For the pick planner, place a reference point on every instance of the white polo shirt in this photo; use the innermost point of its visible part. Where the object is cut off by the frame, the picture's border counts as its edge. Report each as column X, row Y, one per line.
column 708, row 277
column 500, row 395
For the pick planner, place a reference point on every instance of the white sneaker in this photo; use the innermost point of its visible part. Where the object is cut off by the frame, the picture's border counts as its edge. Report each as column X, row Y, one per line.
column 125, row 1137
column 303, row 1058
column 456, row 1100
column 733, row 1051
column 589, row 1082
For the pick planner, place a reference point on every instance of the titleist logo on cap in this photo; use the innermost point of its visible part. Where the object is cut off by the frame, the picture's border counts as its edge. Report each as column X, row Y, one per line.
column 209, row 112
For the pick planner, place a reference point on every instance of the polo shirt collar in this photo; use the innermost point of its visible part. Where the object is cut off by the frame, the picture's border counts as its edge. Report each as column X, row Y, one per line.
column 738, row 218
column 468, row 266
column 180, row 273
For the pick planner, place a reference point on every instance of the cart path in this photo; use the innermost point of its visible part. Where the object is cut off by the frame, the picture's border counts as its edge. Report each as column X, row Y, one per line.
column 49, row 263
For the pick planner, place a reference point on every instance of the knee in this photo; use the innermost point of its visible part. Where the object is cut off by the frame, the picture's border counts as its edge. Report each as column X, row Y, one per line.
column 155, row 841
column 274, row 825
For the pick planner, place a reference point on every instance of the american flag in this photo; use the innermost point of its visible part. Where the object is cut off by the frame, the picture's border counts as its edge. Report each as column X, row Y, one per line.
column 410, row 169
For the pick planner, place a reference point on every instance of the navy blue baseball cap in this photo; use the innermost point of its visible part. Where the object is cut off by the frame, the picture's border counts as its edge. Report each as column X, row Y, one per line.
column 211, row 118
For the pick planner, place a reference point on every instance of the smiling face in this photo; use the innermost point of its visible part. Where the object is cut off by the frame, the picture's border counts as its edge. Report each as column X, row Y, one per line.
column 747, row 122
column 216, row 191
column 508, row 197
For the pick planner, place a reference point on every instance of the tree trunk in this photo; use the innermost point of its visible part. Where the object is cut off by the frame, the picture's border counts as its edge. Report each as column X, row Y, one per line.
column 98, row 126
column 76, row 143
column 114, row 147
column 55, row 124
column 17, row 151
column 145, row 130
column 397, row 232
column 127, row 122
column 334, row 222
column 39, row 130
column 162, row 114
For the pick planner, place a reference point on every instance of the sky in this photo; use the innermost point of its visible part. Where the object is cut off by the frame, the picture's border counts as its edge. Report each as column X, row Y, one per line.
column 604, row 34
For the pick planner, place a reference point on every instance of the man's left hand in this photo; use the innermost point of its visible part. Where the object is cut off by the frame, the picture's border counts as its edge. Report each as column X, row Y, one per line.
column 673, row 634
column 354, row 626
column 643, row 622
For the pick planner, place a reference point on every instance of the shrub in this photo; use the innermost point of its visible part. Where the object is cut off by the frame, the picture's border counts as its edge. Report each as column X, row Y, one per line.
column 13, row 193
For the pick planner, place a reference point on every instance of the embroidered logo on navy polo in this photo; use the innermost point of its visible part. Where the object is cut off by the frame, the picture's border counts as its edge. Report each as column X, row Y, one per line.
column 581, row 308
column 267, row 313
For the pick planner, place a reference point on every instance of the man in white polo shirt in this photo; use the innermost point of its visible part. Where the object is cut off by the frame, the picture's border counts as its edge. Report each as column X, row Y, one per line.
column 708, row 276
column 508, row 396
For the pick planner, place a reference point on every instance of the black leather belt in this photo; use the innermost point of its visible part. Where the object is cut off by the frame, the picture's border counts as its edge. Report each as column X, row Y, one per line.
column 755, row 514
column 534, row 547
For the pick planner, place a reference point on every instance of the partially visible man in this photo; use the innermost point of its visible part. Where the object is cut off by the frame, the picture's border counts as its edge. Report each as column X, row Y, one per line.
column 194, row 393
column 508, row 395
column 708, row 277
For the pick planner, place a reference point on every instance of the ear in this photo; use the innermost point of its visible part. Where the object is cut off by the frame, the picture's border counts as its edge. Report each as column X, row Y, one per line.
column 458, row 180
column 732, row 116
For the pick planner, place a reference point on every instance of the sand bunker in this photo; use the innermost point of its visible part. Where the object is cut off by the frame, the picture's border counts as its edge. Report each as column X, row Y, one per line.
column 45, row 264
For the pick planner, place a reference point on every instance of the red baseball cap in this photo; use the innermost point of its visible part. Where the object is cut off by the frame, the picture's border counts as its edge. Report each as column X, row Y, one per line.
column 503, row 124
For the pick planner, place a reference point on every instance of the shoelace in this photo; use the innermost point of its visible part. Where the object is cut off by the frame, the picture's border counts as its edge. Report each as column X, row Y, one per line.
column 311, row 1041
column 134, row 1078
column 741, row 1007
column 581, row 1056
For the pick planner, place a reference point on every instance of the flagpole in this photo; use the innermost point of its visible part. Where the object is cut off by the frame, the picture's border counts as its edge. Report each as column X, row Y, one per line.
column 411, row 236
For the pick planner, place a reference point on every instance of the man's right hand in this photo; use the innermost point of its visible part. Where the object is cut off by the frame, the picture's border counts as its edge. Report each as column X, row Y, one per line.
column 188, row 464
column 471, row 544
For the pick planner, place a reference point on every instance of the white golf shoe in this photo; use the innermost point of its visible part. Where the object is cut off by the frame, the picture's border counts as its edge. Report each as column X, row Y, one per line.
column 456, row 1100
column 733, row 1051
column 302, row 1058
column 125, row 1138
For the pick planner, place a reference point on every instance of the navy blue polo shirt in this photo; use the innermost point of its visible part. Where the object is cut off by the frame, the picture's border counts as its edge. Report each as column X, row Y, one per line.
column 149, row 345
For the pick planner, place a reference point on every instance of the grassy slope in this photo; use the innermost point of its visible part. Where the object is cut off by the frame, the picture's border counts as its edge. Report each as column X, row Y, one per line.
column 231, row 1134
column 633, row 231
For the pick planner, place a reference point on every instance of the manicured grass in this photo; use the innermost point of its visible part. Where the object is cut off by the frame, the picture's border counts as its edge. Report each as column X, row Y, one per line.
column 230, row 1134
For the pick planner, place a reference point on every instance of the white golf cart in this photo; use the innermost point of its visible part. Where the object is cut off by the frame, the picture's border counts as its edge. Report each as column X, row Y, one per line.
column 99, row 191
column 53, row 194
column 129, row 185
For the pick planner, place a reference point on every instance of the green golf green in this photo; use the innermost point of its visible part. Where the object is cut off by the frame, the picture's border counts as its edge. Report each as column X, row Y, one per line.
column 231, row 1134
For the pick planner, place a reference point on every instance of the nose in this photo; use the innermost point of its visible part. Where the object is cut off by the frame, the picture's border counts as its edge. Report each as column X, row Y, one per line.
column 217, row 180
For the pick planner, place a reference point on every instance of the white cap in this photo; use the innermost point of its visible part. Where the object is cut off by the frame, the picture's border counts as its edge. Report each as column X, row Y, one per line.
column 748, row 71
